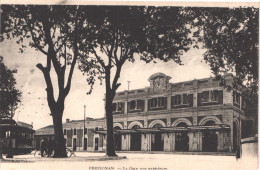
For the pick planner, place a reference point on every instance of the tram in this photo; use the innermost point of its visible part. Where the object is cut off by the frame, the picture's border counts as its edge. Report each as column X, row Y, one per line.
column 21, row 138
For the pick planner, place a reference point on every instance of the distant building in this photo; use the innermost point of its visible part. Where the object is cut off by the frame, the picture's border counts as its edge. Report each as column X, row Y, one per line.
column 45, row 132
column 20, row 135
column 197, row 115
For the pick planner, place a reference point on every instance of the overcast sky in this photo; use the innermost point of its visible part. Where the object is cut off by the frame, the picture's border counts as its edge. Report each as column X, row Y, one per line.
column 30, row 82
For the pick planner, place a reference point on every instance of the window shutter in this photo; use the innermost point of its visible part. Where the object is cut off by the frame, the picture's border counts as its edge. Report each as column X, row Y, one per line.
column 123, row 107
column 190, row 100
column 140, row 105
column 165, row 102
column 100, row 141
column 69, row 138
column 199, row 99
column 172, row 101
column 90, row 137
column 149, row 104
column 220, row 96
column 79, row 137
column 185, row 99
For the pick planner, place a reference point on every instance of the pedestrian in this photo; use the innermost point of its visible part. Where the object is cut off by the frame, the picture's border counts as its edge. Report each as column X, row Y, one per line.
column 43, row 146
column 50, row 146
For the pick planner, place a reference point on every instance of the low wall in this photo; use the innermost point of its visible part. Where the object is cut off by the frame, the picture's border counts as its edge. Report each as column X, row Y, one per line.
column 249, row 147
column 249, row 153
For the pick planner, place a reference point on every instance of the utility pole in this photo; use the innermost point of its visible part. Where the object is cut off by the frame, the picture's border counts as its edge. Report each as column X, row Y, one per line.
column 128, row 82
column 84, row 128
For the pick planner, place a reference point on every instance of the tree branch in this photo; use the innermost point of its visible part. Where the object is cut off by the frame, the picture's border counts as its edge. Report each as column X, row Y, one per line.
column 117, row 75
column 34, row 40
column 48, row 82
column 65, row 58
column 98, row 58
column 75, row 46
column 116, row 46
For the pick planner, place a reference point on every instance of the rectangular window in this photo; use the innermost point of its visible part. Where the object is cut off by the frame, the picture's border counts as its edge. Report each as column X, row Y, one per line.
column 85, row 131
column 185, row 99
column 205, row 96
column 154, row 102
column 96, row 129
column 119, row 106
column 74, row 132
column 177, row 100
column 65, row 132
column 160, row 101
column 114, row 107
column 140, row 104
column 132, row 105
column 214, row 95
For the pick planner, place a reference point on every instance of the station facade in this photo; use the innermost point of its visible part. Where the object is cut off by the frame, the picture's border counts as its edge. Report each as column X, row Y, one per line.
column 197, row 115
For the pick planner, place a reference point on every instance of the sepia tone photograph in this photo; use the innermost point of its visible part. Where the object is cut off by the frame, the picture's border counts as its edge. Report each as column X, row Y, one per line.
column 129, row 85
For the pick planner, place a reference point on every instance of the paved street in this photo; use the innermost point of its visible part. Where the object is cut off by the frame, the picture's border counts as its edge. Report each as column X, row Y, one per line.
column 134, row 161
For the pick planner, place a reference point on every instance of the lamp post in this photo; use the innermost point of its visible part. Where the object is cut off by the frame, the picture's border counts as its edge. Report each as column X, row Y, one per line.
column 10, row 151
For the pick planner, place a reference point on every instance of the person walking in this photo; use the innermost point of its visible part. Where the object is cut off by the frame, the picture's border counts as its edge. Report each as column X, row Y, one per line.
column 43, row 146
column 50, row 146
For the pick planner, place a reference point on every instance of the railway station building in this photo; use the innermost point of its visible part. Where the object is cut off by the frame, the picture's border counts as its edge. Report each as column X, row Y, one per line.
column 197, row 115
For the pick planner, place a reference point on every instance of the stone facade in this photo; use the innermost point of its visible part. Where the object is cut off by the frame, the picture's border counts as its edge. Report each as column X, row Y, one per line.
column 209, row 115
column 197, row 115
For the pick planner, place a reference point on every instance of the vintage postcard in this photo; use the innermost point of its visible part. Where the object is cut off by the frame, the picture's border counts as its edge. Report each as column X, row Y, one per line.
column 127, row 85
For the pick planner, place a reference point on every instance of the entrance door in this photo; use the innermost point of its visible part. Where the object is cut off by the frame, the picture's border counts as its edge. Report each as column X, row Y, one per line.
column 210, row 141
column 118, row 139
column 96, row 144
column 135, row 140
column 157, row 142
column 74, row 144
column 182, row 141
column 85, row 144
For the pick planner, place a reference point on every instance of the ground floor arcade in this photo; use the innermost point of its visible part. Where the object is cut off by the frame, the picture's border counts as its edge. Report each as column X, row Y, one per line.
column 211, row 138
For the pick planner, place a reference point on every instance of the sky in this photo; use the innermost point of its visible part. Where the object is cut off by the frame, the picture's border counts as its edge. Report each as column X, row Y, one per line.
column 30, row 81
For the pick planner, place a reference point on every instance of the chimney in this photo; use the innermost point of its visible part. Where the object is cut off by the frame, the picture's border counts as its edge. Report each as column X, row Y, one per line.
column 67, row 120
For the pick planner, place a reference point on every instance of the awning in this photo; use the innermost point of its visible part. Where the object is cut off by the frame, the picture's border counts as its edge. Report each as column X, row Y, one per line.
column 167, row 129
column 101, row 132
column 124, row 131
column 119, row 131
column 212, row 127
column 148, row 130
column 174, row 129
column 195, row 128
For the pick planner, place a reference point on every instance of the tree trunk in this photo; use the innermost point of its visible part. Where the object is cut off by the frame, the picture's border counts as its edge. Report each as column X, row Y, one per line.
column 60, row 148
column 1, row 149
column 110, row 130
